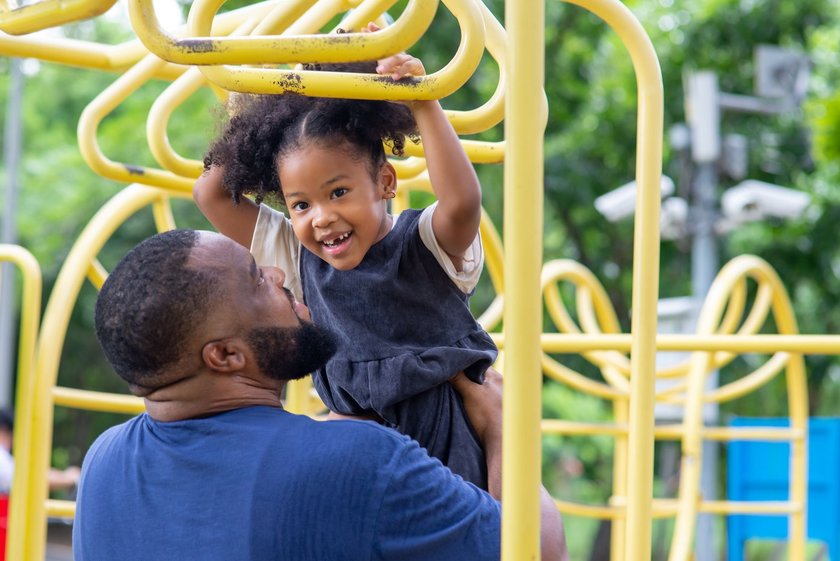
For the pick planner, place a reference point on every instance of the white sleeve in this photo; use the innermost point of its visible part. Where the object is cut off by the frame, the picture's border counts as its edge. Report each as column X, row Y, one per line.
column 7, row 471
column 274, row 245
column 473, row 258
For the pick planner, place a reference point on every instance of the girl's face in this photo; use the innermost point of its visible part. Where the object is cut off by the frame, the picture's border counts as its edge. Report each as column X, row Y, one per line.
column 338, row 211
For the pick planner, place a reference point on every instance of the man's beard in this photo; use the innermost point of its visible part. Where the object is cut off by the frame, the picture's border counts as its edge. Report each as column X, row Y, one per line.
column 290, row 353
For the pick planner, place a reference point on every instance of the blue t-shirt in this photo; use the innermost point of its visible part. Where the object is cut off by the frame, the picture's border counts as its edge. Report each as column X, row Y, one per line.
column 262, row 484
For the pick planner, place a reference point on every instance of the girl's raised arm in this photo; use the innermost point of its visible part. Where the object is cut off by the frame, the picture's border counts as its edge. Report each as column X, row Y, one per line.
column 236, row 221
column 457, row 216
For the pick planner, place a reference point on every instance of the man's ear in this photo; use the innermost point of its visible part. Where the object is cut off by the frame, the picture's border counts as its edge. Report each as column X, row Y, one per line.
column 225, row 355
column 388, row 180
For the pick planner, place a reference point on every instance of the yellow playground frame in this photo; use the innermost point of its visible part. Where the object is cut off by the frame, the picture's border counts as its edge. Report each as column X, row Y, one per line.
column 267, row 33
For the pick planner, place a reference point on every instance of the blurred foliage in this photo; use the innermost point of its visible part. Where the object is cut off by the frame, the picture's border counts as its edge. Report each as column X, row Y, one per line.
column 589, row 150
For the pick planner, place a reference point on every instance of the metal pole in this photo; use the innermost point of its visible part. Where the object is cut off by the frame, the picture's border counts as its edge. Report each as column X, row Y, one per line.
column 523, row 230
column 13, row 134
column 704, row 119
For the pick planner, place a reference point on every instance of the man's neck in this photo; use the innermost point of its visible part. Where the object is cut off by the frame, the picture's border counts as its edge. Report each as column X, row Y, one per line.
column 205, row 394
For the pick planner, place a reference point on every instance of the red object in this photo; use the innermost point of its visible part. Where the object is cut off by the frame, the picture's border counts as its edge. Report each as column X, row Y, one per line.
column 4, row 523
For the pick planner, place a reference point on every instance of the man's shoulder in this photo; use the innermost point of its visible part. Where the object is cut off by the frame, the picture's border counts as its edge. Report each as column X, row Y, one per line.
column 352, row 434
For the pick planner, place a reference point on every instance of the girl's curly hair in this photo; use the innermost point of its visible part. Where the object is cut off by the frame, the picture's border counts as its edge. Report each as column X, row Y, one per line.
column 264, row 128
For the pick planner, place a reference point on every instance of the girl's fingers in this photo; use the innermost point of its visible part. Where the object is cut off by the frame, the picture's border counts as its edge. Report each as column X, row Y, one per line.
column 400, row 66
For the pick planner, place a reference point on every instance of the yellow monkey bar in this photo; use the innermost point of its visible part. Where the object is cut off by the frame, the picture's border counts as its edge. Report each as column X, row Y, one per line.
column 337, row 84
column 629, row 382
column 18, row 20
column 595, row 315
column 24, row 436
column 201, row 48
column 26, row 540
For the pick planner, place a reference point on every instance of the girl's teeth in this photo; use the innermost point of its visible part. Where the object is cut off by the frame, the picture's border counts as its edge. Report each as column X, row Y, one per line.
column 340, row 238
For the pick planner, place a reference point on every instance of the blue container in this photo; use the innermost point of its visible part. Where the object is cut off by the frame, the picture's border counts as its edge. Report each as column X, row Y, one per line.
column 759, row 471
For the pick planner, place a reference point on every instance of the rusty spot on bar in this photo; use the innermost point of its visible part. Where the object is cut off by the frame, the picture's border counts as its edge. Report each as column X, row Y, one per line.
column 290, row 83
column 134, row 170
column 197, row 45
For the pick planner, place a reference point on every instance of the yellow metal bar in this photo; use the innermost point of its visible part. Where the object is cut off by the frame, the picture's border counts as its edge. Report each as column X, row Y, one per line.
column 298, row 398
column 162, row 108
column 88, row 54
column 494, row 263
column 97, row 274
column 27, row 335
column 162, row 213
column 50, row 13
column 97, row 401
column 645, row 267
column 192, row 80
column 478, row 151
column 364, row 12
column 664, row 508
column 50, row 343
column 96, row 111
column 61, row 509
column 366, row 86
column 770, row 434
column 202, row 48
column 578, row 381
column 769, row 508
column 621, row 455
column 806, row 344
column 713, row 309
column 671, row 432
column 492, row 111
column 523, row 220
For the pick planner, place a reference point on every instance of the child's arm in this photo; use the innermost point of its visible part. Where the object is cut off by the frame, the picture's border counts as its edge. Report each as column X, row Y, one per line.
column 457, row 216
column 236, row 221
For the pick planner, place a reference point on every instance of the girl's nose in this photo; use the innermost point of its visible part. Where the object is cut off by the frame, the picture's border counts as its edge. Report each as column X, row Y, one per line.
column 323, row 218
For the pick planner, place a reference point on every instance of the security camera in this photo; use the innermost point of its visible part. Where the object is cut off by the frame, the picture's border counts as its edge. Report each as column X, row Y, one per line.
column 673, row 219
column 754, row 200
column 621, row 203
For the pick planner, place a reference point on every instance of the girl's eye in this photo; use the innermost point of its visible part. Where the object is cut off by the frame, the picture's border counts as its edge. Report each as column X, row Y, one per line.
column 340, row 192
column 300, row 206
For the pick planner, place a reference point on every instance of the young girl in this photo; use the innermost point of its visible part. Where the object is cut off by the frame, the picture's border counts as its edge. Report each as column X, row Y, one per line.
column 395, row 288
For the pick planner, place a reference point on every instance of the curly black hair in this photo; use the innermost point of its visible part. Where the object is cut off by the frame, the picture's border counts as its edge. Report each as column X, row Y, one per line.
column 150, row 305
column 264, row 128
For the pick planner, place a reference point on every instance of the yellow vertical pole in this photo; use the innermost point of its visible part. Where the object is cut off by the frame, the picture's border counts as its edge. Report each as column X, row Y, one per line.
column 523, row 219
column 637, row 546
column 29, row 313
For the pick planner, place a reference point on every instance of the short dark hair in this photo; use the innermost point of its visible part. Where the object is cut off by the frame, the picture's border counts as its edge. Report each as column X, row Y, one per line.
column 7, row 420
column 150, row 305
column 265, row 127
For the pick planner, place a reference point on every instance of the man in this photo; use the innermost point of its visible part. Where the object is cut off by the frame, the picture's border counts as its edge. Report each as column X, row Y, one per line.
column 216, row 470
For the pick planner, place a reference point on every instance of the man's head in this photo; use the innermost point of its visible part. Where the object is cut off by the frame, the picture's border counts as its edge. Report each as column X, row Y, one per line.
column 184, row 301
column 7, row 426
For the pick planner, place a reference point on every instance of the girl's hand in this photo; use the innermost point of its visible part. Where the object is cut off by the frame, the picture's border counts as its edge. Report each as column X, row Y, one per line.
column 397, row 66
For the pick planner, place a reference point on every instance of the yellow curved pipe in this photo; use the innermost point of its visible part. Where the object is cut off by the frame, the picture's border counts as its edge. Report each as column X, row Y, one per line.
column 202, row 48
column 526, row 65
column 101, row 106
column 156, row 124
column 50, row 343
column 88, row 54
column 712, row 310
column 366, row 86
column 49, row 13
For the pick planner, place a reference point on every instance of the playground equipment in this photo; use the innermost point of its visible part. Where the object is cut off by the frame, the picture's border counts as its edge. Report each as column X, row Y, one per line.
column 246, row 36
